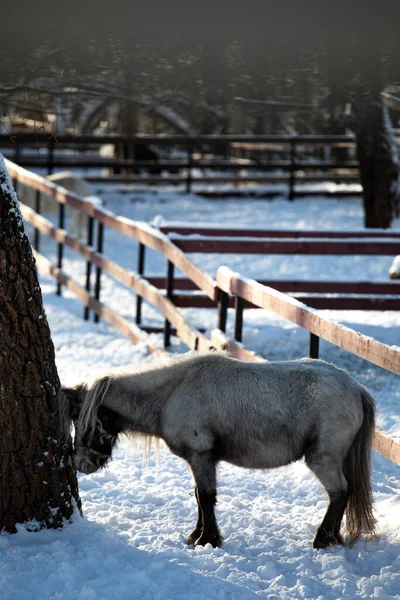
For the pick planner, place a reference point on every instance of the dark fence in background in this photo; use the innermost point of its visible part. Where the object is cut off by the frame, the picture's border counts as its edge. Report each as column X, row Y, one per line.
column 241, row 159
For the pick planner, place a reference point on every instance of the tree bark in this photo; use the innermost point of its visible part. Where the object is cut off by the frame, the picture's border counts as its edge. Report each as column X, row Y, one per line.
column 38, row 485
column 376, row 144
column 378, row 158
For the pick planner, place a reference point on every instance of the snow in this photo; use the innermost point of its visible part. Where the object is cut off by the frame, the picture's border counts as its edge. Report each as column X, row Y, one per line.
column 131, row 542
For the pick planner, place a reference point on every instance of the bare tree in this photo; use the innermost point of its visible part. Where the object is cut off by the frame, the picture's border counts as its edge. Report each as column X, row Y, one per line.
column 38, row 483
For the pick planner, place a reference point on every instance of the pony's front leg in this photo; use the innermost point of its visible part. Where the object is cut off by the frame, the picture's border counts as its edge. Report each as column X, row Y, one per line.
column 204, row 473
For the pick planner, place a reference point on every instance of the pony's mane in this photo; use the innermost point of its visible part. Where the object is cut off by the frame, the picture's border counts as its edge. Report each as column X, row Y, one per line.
column 88, row 420
column 64, row 414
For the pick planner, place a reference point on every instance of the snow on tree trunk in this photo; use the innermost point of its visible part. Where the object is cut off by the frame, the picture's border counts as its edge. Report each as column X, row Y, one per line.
column 38, row 485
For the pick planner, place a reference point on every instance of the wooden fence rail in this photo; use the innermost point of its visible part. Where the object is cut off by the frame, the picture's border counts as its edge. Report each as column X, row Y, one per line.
column 211, row 140
column 373, row 246
column 218, row 231
column 300, row 314
column 85, row 161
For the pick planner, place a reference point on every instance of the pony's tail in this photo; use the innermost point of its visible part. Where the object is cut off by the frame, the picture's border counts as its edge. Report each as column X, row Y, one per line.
column 357, row 467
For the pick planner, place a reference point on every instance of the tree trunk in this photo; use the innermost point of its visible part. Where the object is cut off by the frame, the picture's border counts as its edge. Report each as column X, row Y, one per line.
column 378, row 158
column 376, row 145
column 38, row 485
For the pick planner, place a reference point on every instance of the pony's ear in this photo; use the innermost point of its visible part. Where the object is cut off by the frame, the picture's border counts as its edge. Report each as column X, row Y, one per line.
column 74, row 398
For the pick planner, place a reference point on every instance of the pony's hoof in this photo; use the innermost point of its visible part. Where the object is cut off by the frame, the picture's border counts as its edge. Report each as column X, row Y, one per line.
column 195, row 535
column 214, row 539
column 325, row 539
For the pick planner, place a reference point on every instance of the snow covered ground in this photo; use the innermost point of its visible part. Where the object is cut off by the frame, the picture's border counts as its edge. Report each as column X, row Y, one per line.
column 131, row 543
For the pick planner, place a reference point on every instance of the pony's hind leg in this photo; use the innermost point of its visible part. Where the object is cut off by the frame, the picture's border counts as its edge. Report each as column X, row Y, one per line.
column 204, row 473
column 330, row 474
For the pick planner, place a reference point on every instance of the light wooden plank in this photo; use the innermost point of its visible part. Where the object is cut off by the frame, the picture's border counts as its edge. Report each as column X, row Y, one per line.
column 297, row 312
column 386, row 446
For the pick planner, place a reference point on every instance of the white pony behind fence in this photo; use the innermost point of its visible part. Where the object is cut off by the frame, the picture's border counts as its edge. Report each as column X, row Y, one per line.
column 71, row 182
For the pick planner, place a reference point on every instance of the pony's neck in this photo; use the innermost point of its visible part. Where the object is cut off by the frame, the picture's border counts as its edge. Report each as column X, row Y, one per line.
column 139, row 397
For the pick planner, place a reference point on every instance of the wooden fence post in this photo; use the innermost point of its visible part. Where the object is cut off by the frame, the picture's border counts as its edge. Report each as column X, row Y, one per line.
column 117, row 155
column 238, row 330
column 292, row 177
column 140, row 270
column 90, row 223
column 170, row 289
column 314, row 346
column 222, row 310
column 99, row 248
column 60, row 246
column 36, row 238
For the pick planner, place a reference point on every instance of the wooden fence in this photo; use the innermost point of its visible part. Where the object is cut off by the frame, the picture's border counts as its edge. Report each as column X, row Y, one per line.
column 145, row 236
column 227, row 285
column 290, row 170
column 328, row 295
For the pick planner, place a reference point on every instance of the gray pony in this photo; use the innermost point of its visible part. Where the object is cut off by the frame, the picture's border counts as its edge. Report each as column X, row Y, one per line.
column 210, row 408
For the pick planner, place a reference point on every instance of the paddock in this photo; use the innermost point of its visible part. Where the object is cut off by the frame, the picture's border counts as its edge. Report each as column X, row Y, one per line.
column 140, row 508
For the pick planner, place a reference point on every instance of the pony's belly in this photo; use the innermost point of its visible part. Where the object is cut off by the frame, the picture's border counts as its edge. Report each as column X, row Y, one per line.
column 258, row 455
